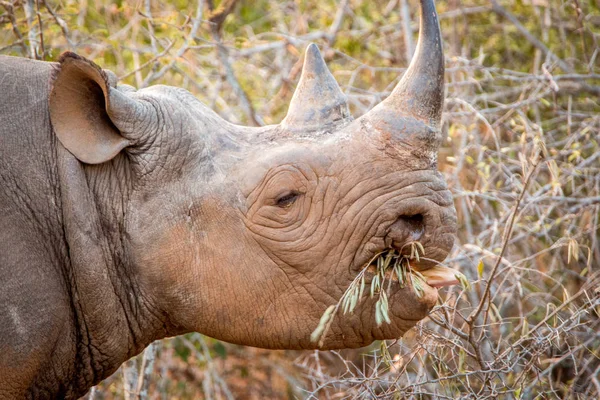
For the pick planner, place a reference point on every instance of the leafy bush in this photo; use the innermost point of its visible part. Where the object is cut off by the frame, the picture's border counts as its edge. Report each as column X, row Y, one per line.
column 522, row 158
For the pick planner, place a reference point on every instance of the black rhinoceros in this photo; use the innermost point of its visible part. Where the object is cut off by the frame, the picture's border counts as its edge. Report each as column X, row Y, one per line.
column 130, row 215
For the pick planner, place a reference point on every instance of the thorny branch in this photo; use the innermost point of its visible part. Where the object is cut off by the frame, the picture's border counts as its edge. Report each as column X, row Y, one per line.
column 507, row 234
column 530, row 324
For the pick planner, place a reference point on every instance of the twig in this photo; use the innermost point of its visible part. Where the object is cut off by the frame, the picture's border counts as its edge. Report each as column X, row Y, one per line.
column 149, row 62
column 287, row 39
column 130, row 379
column 150, row 21
column 146, row 370
column 33, row 34
column 41, row 28
column 217, row 18
column 11, row 16
column 217, row 15
column 337, row 22
column 60, row 22
column 407, row 31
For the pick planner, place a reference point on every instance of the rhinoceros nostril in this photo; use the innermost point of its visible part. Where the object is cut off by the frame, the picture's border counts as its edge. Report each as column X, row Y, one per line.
column 413, row 219
column 415, row 225
column 407, row 228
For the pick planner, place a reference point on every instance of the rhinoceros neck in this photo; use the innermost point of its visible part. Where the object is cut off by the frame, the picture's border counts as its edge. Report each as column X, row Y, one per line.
column 111, row 321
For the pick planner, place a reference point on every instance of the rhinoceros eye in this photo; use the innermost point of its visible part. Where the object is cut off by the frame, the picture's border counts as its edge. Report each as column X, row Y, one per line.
column 286, row 200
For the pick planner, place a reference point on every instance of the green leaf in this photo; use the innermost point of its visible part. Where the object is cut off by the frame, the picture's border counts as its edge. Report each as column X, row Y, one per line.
column 220, row 350
column 464, row 282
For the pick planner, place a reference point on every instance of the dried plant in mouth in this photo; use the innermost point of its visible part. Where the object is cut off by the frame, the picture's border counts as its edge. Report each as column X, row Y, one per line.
column 388, row 265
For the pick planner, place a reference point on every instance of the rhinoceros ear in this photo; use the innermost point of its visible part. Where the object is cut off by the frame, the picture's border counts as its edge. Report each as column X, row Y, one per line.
column 85, row 108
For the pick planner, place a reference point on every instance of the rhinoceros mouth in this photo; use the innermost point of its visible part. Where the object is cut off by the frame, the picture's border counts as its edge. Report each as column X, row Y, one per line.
column 436, row 276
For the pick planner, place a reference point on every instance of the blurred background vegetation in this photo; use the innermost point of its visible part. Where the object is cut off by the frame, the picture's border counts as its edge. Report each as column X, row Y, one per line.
column 522, row 158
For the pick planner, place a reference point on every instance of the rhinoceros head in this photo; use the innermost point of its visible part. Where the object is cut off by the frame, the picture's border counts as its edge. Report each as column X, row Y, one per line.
column 249, row 234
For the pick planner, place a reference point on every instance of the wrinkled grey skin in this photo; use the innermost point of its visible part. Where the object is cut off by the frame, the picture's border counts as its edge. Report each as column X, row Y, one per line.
column 128, row 216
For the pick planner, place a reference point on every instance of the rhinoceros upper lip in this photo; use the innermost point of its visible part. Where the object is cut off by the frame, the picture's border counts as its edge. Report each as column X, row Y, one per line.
column 440, row 276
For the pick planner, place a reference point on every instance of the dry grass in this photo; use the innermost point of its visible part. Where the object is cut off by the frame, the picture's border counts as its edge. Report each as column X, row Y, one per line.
column 522, row 158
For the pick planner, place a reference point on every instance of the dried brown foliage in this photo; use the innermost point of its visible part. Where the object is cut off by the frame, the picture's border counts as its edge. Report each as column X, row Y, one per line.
column 522, row 158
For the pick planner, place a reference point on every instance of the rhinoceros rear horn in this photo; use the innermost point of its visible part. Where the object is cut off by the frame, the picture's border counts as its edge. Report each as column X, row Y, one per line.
column 318, row 102
column 85, row 110
column 420, row 92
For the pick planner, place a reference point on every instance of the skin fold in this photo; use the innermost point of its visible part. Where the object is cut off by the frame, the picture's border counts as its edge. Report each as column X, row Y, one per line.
column 128, row 215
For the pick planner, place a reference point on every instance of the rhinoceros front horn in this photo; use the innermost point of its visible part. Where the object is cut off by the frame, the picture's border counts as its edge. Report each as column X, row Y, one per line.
column 318, row 103
column 420, row 92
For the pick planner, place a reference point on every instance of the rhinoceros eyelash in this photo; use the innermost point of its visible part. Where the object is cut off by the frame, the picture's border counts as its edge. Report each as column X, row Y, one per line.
column 287, row 199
